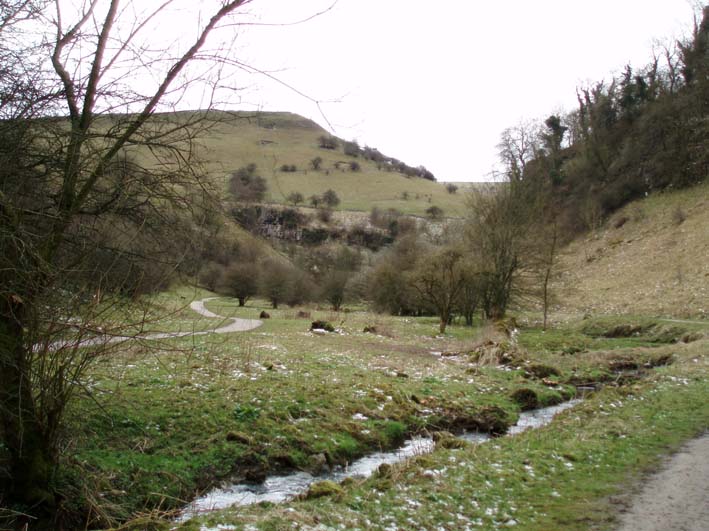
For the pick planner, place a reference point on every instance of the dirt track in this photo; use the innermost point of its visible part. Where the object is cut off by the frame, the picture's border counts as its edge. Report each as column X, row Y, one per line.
column 676, row 498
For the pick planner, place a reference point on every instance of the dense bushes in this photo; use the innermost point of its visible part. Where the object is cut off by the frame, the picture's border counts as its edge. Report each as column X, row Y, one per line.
column 352, row 149
column 328, row 142
column 435, row 213
column 246, row 185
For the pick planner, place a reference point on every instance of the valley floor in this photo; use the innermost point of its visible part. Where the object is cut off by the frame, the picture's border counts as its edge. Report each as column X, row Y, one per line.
column 172, row 419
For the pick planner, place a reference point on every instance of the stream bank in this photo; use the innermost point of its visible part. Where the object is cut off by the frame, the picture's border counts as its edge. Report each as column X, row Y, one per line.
column 279, row 488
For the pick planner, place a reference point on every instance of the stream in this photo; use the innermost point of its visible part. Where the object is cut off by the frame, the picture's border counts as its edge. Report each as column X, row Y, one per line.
column 280, row 488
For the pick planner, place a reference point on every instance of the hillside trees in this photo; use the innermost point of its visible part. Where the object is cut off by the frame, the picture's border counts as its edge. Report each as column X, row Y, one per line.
column 334, row 287
column 328, row 142
column 517, row 147
column 330, row 198
column 316, row 163
column 295, row 198
column 642, row 131
column 67, row 198
column 434, row 213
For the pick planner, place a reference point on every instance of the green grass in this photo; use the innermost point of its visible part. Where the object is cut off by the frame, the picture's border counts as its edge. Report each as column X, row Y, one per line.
column 174, row 419
column 558, row 477
column 170, row 412
column 596, row 333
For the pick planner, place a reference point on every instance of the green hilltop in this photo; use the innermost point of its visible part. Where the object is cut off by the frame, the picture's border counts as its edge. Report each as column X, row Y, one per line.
column 272, row 140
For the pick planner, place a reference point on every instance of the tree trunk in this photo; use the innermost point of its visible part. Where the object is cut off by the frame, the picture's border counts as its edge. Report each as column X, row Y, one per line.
column 444, row 322
column 32, row 461
column 546, row 299
column 496, row 313
column 242, row 301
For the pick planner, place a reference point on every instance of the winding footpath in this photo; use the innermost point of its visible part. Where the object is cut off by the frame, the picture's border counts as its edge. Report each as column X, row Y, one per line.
column 236, row 325
column 233, row 324
column 676, row 498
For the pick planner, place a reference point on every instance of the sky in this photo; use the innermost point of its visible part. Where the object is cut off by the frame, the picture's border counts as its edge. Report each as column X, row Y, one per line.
column 435, row 83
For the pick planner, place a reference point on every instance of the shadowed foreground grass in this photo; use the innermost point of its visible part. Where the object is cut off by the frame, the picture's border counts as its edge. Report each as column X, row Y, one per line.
column 558, row 477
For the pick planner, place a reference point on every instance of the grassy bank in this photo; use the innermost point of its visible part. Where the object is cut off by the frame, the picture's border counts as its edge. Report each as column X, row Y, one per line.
column 559, row 477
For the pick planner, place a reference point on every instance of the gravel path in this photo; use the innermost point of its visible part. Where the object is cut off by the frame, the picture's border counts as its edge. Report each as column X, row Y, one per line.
column 676, row 498
column 236, row 325
column 233, row 324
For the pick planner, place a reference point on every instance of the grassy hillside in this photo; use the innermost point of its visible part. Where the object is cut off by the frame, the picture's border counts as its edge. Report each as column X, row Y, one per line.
column 651, row 257
column 271, row 140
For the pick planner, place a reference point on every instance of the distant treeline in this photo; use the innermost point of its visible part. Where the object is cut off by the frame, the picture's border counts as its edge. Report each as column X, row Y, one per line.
column 383, row 162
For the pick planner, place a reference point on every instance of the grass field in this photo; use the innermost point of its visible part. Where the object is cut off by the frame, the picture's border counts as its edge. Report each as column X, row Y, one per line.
column 171, row 420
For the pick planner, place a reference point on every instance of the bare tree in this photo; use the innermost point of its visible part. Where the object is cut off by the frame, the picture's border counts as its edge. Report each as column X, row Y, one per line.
column 295, row 198
column 543, row 259
column 497, row 230
column 274, row 281
column 519, row 145
column 439, row 280
column 334, row 288
column 241, row 280
column 72, row 190
column 471, row 292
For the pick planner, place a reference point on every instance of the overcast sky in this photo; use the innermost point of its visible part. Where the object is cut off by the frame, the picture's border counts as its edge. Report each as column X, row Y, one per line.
column 435, row 83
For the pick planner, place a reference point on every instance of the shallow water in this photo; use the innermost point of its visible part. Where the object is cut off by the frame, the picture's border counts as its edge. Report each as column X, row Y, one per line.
column 281, row 488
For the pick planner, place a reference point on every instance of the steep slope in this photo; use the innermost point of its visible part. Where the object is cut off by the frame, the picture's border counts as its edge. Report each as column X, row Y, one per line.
column 651, row 257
